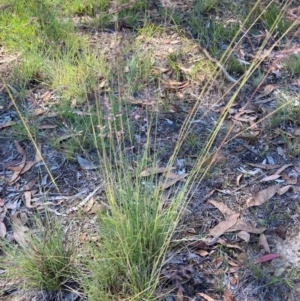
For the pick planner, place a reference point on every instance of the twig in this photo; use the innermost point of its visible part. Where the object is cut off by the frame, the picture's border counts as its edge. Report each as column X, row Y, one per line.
column 82, row 203
column 230, row 78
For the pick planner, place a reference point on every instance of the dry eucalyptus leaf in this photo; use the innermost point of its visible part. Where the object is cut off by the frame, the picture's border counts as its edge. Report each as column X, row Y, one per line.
column 202, row 253
column 179, row 296
column 282, row 168
column 242, row 226
column 228, row 296
column 155, row 170
column 263, row 242
column 223, row 226
column 206, row 297
column 170, row 183
column 262, row 196
column 20, row 148
column 264, row 166
column 223, row 208
column 270, row 178
column 283, row 189
column 244, row 236
column 238, row 179
column 230, row 246
column 289, row 180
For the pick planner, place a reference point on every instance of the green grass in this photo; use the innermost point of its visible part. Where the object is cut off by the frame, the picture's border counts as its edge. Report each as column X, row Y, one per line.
column 135, row 230
column 292, row 63
column 44, row 258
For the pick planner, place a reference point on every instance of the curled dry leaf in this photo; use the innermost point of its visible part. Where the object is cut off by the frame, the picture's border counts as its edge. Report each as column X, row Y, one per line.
column 238, row 179
column 263, row 242
column 223, row 226
column 244, row 236
column 202, row 253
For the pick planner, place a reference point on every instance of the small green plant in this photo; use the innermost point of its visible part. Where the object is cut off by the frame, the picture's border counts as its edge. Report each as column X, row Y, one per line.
column 43, row 259
column 273, row 16
column 233, row 65
column 292, row 64
column 205, row 6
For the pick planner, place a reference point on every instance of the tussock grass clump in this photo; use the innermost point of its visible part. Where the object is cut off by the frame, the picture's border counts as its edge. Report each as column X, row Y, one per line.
column 44, row 258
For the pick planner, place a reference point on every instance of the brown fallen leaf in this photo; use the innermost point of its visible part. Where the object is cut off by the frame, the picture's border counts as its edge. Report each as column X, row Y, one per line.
column 223, row 226
column 232, row 263
column 244, row 236
column 20, row 148
column 264, row 166
column 202, row 253
column 242, row 226
column 155, row 170
column 222, row 207
column 242, row 257
column 19, row 231
column 263, row 242
column 179, row 296
column 262, row 196
column 270, row 178
column 172, row 84
column 206, row 297
column 228, row 296
column 238, row 178
column 198, row 245
column 28, row 192
column 89, row 205
column 280, row 170
column 289, row 180
column 283, row 189
column 234, row 269
column 230, row 246
column 170, row 183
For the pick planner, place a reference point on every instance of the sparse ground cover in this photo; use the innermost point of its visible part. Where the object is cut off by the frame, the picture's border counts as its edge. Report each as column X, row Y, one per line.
column 149, row 150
